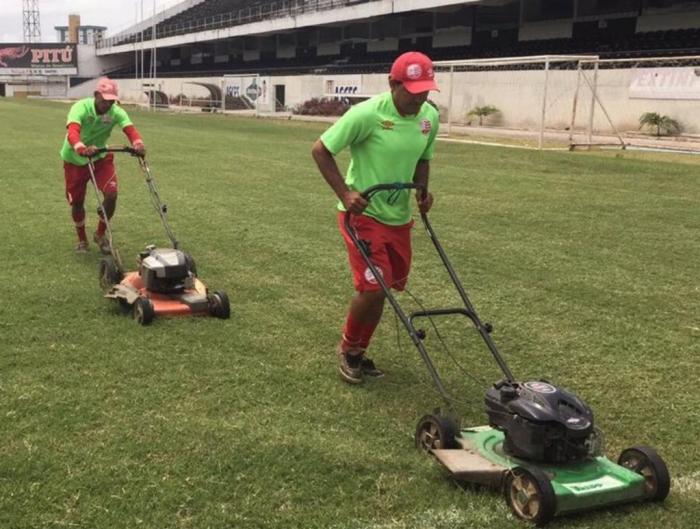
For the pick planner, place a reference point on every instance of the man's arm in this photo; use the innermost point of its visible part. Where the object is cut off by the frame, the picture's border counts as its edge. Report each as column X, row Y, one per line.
column 420, row 176
column 135, row 139
column 352, row 200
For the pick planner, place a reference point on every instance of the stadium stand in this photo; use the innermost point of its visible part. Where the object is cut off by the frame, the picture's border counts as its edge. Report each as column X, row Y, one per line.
column 609, row 30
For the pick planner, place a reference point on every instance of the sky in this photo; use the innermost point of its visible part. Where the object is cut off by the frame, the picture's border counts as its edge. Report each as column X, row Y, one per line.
column 115, row 14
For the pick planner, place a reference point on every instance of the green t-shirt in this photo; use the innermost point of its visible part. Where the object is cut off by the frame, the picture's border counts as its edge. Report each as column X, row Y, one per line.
column 385, row 148
column 94, row 128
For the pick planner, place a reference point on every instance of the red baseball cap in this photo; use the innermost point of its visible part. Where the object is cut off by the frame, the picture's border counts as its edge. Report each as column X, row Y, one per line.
column 415, row 71
column 108, row 88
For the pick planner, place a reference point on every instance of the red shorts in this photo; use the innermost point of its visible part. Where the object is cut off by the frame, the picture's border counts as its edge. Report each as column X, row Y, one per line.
column 78, row 176
column 390, row 252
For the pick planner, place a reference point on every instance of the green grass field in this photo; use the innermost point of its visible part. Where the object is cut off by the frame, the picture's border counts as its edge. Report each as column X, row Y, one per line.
column 586, row 264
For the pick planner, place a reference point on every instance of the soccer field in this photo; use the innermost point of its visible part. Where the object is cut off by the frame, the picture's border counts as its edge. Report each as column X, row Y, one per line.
column 586, row 264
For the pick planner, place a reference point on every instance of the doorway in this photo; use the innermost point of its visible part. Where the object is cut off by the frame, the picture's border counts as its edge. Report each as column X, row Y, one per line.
column 279, row 98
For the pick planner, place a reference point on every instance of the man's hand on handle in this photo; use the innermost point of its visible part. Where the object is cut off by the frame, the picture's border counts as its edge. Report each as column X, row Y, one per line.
column 88, row 151
column 424, row 200
column 139, row 148
column 353, row 202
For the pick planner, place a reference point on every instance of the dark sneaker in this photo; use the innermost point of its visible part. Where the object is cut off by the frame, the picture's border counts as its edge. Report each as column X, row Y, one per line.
column 82, row 247
column 350, row 368
column 102, row 243
column 369, row 369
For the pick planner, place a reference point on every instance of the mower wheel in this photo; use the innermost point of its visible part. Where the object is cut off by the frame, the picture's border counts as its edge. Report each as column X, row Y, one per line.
column 191, row 265
column 530, row 495
column 143, row 311
column 219, row 305
column 436, row 431
column 645, row 461
column 109, row 273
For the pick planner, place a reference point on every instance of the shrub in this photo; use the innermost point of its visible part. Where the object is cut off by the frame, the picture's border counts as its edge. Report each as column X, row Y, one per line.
column 663, row 124
column 483, row 112
column 322, row 106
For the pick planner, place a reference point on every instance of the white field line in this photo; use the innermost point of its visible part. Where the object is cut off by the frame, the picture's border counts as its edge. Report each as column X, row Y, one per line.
column 494, row 144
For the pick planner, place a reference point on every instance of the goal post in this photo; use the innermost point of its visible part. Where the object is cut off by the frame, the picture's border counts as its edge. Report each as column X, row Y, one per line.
column 539, row 98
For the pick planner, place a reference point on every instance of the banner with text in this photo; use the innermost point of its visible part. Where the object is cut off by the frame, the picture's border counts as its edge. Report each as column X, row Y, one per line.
column 33, row 58
column 342, row 85
column 665, row 83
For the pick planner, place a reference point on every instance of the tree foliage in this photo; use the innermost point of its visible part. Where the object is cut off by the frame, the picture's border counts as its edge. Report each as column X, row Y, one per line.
column 663, row 124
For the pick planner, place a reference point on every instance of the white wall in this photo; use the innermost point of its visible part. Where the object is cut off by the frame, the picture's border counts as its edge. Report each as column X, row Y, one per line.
column 388, row 44
column 547, row 29
column 518, row 95
column 332, row 48
column 54, row 86
column 90, row 65
column 452, row 37
column 668, row 21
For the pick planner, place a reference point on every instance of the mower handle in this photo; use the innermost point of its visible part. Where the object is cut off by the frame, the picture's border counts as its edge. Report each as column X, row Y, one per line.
column 130, row 150
column 368, row 193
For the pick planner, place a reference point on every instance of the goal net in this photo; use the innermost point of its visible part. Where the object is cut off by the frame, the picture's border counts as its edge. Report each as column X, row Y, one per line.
column 546, row 100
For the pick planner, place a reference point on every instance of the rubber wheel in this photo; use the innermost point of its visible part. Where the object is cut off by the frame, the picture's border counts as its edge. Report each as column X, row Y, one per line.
column 191, row 265
column 219, row 305
column 143, row 311
column 109, row 273
column 530, row 495
column 645, row 461
column 435, row 432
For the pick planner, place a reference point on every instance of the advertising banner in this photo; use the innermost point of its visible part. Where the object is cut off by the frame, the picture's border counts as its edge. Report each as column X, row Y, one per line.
column 343, row 85
column 38, row 59
column 665, row 83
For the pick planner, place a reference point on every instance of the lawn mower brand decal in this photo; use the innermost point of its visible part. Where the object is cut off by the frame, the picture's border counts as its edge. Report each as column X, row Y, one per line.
column 540, row 387
column 593, row 486
column 369, row 276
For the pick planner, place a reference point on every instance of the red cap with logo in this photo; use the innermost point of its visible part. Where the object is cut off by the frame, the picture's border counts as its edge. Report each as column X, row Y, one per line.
column 415, row 71
column 108, row 88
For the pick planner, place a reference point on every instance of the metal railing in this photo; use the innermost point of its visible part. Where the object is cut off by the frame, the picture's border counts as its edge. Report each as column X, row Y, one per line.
column 247, row 15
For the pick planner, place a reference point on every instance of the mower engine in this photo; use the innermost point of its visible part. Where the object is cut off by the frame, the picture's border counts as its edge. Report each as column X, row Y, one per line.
column 541, row 422
column 165, row 270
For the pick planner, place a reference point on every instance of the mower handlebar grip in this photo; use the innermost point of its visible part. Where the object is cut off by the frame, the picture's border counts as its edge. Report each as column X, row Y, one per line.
column 129, row 150
column 397, row 186
column 372, row 190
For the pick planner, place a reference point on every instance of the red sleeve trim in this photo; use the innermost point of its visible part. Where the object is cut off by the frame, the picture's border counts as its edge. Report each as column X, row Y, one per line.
column 132, row 134
column 73, row 133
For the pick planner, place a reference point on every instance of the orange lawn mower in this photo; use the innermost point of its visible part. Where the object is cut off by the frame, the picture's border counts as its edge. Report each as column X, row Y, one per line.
column 166, row 282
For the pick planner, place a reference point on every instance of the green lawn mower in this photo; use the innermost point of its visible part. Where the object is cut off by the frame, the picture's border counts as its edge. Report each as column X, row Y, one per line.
column 541, row 447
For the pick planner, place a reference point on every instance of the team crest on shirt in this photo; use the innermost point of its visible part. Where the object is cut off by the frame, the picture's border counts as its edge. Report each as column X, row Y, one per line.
column 426, row 126
column 106, row 119
column 369, row 276
column 387, row 124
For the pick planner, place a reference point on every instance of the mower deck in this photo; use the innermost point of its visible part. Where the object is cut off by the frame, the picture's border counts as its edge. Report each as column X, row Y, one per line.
column 589, row 484
column 184, row 303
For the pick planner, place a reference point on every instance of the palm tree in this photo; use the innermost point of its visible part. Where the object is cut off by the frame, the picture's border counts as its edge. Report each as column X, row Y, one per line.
column 483, row 112
column 662, row 123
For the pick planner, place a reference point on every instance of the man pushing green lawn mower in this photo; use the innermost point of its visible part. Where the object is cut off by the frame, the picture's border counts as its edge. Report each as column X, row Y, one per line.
column 392, row 139
column 540, row 447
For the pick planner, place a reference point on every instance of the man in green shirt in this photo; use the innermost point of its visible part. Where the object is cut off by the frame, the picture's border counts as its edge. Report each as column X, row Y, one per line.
column 90, row 123
column 391, row 138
